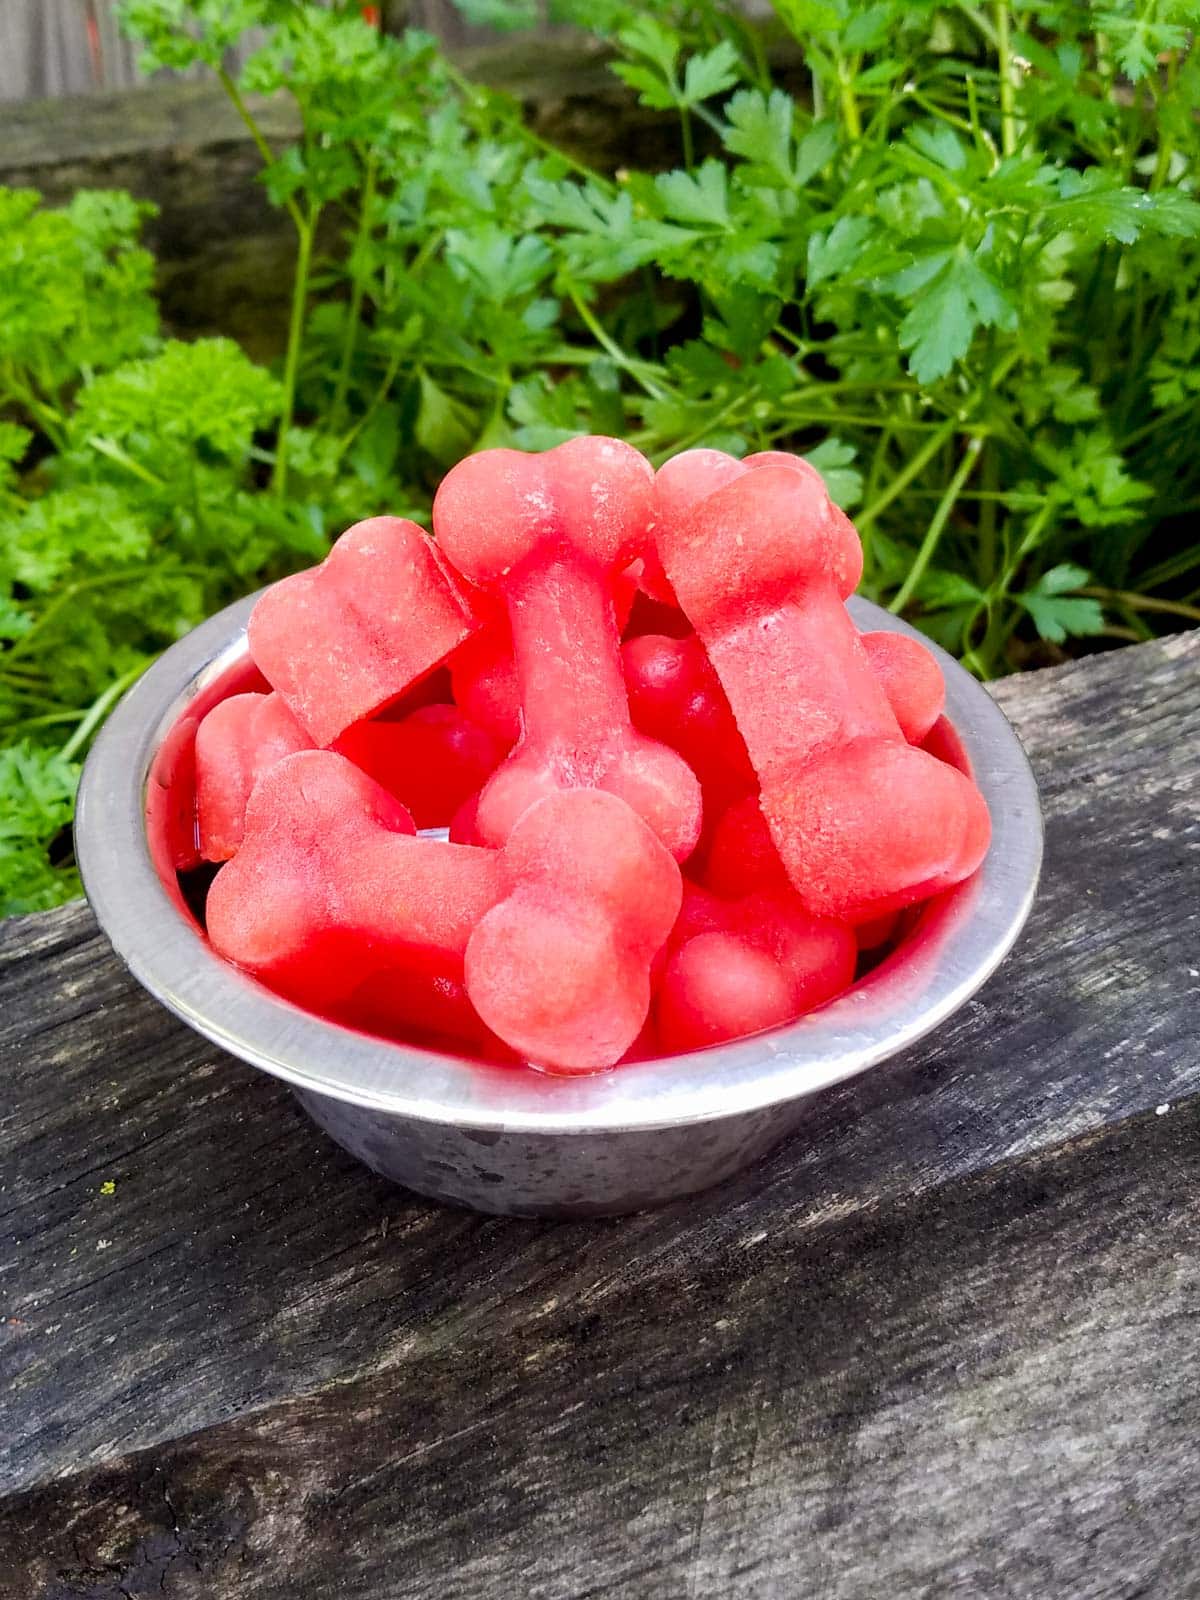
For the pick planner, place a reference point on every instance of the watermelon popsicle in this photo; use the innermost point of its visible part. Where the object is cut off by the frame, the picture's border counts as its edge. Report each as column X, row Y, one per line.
column 483, row 673
column 548, row 534
column 344, row 639
column 910, row 678
column 864, row 822
column 741, row 853
column 739, row 965
column 676, row 697
column 332, row 884
column 240, row 739
column 560, row 968
column 559, row 929
column 431, row 761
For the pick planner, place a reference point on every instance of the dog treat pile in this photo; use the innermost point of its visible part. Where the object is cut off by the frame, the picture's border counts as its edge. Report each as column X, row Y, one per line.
column 657, row 842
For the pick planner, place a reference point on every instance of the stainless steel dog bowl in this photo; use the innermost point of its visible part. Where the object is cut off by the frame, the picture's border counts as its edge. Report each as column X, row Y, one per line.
column 505, row 1139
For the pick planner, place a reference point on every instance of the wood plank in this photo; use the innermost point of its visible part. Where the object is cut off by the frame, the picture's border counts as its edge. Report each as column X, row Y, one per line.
column 989, row 1390
column 225, row 255
column 242, row 1261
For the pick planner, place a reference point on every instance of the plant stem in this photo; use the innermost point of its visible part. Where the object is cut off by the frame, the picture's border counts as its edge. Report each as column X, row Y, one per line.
column 1008, row 95
column 515, row 124
column 987, row 517
column 1163, row 165
column 114, row 452
column 350, row 338
column 51, row 422
column 28, row 724
column 979, row 18
column 602, row 338
column 67, row 596
column 1174, row 566
column 846, row 98
column 98, row 709
column 685, row 131
column 1139, row 602
column 256, row 133
column 295, row 339
column 377, row 400
column 937, row 526
column 905, row 476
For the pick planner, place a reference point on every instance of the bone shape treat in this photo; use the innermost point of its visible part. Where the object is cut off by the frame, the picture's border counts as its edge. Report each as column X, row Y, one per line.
column 910, row 678
column 431, row 761
column 483, row 673
column 560, row 968
column 737, row 966
column 559, row 929
column 331, row 885
column 344, row 639
column 239, row 740
column 548, row 534
column 864, row 823
column 675, row 696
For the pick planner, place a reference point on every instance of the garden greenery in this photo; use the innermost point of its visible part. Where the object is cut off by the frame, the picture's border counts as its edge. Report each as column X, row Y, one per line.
column 958, row 269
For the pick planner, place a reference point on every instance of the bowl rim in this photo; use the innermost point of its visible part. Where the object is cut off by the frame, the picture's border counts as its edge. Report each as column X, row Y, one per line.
column 959, row 940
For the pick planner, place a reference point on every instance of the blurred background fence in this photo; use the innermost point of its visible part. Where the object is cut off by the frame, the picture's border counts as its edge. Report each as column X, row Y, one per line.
column 57, row 47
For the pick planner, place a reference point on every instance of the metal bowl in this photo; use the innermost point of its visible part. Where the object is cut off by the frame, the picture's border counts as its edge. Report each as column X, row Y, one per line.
column 504, row 1139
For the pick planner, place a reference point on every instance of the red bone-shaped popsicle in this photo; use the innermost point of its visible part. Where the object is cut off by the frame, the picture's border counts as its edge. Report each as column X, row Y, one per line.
column 344, row 639
column 431, row 761
column 910, row 678
column 483, row 673
column 560, row 969
column 739, row 965
column 239, row 740
column 331, row 886
column 549, row 534
column 761, row 564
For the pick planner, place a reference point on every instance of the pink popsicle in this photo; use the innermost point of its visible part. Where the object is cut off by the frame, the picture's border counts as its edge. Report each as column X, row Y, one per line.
column 910, row 678
column 864, row 823
column 330, row 885
column 344, row 639
column 239, row 740
column 549, row 534
column 330, row 890
column 560, row 968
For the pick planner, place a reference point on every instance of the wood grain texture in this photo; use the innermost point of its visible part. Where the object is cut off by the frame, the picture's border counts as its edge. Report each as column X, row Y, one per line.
column 940, row 1344
column 984, row 1391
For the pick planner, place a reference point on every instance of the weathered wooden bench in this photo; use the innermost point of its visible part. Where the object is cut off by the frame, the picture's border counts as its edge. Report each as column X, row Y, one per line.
column 943, row 1344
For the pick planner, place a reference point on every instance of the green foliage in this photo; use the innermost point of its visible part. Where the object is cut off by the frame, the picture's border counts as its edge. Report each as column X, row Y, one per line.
column 37, row 793
column 958, row 269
